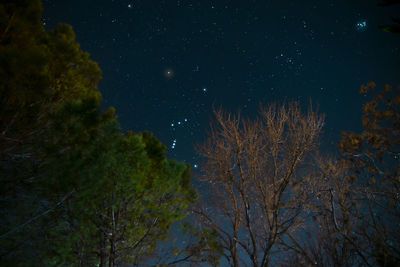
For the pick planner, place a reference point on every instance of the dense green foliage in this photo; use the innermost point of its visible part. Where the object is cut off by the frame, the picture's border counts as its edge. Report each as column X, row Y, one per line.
column 75, row 191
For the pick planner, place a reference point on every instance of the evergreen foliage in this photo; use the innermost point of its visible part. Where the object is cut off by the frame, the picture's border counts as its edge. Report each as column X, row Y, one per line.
column 75, row 191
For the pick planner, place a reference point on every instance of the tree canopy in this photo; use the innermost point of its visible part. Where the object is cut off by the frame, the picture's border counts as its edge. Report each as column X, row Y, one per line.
column 74, row 189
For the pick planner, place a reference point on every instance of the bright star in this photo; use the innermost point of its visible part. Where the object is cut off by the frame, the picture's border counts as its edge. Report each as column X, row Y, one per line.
column 169, row 73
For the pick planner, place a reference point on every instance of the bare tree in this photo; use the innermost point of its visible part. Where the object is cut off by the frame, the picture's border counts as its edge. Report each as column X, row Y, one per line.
column 257, row 176
column 356, row 202
column 333, row 237
column 373, row 156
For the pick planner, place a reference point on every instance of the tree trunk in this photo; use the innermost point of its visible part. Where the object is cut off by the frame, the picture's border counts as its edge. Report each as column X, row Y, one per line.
column 112, row 252
column 103, row 250
column 112, row 239
column 235, row 255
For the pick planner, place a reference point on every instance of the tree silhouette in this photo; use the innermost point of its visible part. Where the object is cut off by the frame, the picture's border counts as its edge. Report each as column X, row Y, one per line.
column 254, row 169
column 356, row 203
column 74, row 190
column 393, row 28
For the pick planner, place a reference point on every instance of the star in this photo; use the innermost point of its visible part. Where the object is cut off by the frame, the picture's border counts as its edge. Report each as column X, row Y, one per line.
column 169, row 73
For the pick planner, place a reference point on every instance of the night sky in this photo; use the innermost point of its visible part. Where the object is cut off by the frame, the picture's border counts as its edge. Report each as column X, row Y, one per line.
column 166, row 63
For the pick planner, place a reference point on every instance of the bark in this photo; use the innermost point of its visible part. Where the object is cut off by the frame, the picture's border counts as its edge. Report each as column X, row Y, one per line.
column 103, row 250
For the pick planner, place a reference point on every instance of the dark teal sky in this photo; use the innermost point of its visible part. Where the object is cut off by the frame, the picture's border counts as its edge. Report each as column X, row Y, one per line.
column 233, row 54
